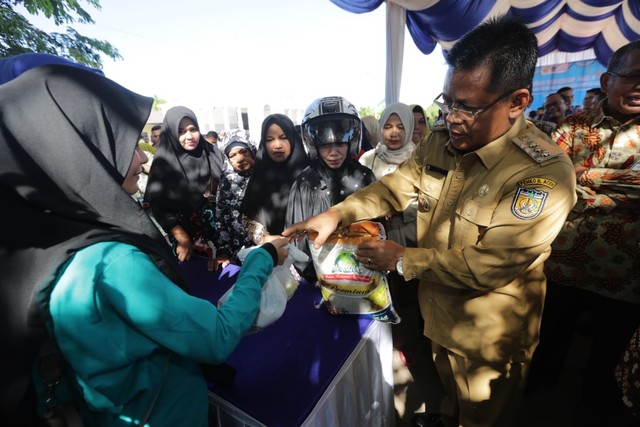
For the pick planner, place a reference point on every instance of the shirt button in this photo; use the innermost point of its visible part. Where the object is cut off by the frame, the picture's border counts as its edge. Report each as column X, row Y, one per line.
column 458, row 175
column 449, row 203
column 414, row 275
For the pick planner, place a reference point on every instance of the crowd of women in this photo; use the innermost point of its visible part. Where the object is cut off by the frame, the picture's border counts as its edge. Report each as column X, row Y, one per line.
column 212, row 200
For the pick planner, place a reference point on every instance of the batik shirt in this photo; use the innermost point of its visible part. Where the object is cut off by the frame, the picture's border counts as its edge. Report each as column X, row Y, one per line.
column 597, row 249
column 231, row 233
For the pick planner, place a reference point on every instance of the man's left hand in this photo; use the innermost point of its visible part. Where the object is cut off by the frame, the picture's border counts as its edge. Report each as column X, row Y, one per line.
column 380, row 255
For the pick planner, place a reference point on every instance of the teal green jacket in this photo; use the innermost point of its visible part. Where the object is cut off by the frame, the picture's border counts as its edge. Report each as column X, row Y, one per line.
column 117, row 320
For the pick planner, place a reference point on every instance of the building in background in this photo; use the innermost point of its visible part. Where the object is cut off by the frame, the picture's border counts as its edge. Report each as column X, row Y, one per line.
column 220, row 118
column 155, row 118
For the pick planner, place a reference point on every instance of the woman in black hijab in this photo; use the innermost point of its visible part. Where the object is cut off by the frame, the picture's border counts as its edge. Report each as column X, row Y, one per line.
column 84, row 265
column 182, row 184
column 279, row 161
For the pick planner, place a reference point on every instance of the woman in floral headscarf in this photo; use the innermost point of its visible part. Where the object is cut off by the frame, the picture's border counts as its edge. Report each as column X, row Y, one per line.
column 231, row 235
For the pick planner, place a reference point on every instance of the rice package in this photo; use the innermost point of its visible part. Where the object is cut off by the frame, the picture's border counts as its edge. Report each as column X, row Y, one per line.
column 348, row 287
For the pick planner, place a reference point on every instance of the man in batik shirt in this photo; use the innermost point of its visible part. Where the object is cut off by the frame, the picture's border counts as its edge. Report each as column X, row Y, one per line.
column 594, row 269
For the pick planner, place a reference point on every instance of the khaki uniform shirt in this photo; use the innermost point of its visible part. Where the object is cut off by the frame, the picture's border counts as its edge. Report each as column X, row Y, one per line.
column 486, row 220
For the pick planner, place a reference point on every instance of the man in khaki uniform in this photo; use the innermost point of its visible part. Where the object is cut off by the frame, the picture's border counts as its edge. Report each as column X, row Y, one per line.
column 492, row 194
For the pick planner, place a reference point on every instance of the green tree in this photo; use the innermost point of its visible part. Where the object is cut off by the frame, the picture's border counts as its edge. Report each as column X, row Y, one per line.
column 18, row 35
column 366, row 111
column 432, row 112
column 157, row 102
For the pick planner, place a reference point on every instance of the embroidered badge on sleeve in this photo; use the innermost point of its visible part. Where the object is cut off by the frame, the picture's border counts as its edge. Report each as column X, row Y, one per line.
column 538, row 181
column 528, row 202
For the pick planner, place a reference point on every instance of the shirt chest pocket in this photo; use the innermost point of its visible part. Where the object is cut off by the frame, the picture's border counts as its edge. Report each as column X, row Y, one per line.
column 472, row 220
column 429, row 192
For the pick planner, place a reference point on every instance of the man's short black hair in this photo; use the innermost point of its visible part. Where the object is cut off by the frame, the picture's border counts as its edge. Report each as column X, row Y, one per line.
column 156, row 127
column 597, row 92
column 617, row 59
column 562, row 89
column 213, row 133
column 503, row 43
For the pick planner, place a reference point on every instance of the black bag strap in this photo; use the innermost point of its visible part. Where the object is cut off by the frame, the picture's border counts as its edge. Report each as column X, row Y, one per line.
column 52, row 367
column 155, row 398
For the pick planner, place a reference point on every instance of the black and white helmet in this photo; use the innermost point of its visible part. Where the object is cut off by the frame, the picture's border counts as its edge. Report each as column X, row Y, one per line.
column 331, row 120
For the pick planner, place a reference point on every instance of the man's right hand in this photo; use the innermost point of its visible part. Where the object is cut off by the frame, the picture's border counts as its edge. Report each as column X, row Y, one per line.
column 324, row 224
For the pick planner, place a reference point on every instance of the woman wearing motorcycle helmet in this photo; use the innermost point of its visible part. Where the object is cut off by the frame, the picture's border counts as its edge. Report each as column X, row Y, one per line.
column 332, row 132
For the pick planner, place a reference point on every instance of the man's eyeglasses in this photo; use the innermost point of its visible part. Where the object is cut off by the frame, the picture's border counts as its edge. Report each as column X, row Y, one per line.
column 466, row 114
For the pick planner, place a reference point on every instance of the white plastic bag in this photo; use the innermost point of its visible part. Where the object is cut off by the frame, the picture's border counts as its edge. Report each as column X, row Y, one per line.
column 280, row 286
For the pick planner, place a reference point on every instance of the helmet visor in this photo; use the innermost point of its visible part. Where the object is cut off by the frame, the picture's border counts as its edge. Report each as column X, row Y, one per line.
column 338, row 130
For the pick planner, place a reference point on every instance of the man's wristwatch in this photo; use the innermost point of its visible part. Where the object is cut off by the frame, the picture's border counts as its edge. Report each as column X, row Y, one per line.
column 399, row 268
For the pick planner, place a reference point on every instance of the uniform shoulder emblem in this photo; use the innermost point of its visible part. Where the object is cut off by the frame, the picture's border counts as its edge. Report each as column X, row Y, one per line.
column 528, row 202
column 540, row 150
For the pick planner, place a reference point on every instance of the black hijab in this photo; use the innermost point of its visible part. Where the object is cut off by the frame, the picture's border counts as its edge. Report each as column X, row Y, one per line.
column 67, row 139
column 179, row 177
column 265, row 199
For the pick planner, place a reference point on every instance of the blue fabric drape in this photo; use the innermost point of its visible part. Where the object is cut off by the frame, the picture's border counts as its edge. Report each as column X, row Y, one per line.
column 358, row 6
column 601, row 25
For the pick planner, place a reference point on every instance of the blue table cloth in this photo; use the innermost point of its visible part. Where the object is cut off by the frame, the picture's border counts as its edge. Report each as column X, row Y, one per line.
column 282, row 371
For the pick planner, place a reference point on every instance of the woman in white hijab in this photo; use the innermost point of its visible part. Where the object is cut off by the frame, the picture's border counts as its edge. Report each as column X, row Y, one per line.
column 395, row 146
